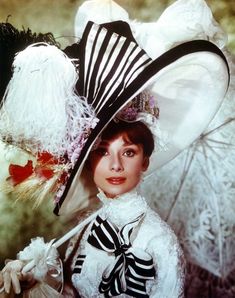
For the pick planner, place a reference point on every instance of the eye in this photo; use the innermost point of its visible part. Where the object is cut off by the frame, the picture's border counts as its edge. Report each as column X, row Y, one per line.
column 129, row 153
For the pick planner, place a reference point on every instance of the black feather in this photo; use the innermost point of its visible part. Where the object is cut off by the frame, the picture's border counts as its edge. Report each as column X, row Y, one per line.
column 12, row 41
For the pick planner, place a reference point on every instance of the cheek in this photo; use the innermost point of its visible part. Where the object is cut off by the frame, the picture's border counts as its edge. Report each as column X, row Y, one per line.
column 96, row 174
column 135, row 167
column 97, row 166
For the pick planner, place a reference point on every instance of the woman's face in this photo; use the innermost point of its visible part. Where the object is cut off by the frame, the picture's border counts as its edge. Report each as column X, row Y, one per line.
column 117, row 165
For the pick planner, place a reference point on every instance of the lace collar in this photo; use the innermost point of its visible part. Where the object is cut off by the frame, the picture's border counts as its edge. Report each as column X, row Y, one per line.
column 123, row 208
column 133, row 194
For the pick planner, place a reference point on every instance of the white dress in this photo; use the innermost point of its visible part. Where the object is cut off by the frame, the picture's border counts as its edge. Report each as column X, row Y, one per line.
column 151, row 239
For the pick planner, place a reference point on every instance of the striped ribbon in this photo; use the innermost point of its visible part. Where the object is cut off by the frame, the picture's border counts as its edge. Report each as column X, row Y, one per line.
column 78, row 264
column 110, row 64
column 132, row 267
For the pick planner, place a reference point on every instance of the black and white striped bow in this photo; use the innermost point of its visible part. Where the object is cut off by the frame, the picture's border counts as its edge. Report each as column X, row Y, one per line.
column 132, row 267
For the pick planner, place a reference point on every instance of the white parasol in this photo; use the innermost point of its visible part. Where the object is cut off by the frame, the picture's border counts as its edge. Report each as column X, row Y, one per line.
column 196, row 194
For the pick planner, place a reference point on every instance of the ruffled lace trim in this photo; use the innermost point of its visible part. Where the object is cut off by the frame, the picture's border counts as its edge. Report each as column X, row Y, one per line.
column 118, row 209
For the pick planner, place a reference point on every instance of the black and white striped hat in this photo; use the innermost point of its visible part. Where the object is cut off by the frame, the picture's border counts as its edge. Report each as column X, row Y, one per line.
column 188, row 81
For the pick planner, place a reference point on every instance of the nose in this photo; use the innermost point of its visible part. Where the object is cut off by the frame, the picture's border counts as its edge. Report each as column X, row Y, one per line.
column 116, row 164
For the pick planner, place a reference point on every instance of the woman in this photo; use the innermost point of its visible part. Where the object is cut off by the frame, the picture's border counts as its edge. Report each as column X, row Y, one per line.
column 103, row 266
column 113, row 75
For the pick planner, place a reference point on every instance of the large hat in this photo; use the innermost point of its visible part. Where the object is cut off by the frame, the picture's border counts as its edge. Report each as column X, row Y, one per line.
column 188, row 84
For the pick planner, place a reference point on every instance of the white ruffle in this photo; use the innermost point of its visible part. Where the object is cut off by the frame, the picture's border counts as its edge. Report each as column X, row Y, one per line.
column 118, row 209
column 182, row 21
column 45, row 258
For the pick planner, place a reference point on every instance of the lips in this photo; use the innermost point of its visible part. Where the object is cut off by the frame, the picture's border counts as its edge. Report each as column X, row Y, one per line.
column 116, row 180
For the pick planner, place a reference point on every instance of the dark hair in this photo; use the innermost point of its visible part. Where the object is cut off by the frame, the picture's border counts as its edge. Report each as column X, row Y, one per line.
column 136, row 132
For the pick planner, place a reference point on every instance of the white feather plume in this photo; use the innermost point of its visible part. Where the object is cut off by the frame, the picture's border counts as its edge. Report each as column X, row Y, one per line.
column 41, row 109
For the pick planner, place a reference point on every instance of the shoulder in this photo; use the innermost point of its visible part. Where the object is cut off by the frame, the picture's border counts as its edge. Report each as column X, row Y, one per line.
column 160, row 239
column 155, row 227
column 163, row 245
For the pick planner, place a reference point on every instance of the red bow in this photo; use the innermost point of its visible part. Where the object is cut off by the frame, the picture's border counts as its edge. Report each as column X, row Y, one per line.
column 19, row 173
column 43, row 168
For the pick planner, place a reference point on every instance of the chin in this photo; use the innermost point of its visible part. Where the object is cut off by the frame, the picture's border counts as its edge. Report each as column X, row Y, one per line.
column 116, row 193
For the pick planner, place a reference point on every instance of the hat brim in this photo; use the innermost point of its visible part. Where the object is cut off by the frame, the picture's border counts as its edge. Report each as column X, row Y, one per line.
column 189, row 83
column 189, row 92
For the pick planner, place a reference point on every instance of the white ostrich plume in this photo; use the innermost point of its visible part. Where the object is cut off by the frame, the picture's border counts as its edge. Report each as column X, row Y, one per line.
column 40, row 108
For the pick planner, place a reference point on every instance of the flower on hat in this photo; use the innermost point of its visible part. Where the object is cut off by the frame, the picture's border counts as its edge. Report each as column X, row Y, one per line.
column 142, row 103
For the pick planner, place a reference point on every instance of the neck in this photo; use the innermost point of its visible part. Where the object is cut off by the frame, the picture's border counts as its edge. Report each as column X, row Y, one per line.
column 102, row 194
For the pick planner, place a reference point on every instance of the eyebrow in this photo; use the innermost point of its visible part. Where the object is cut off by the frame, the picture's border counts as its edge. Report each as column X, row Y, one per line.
column 129, row 143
